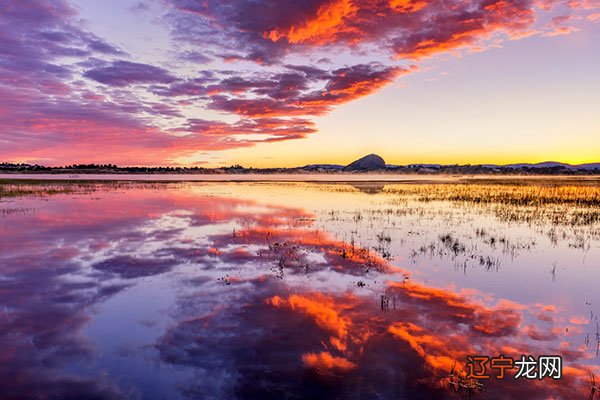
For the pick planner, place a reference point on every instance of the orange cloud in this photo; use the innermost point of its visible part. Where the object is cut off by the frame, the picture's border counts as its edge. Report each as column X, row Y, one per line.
column 325, row 361
column 579, row 320
column 320, row 29
column 407, row 6
column 323, row 311
column 423, row 343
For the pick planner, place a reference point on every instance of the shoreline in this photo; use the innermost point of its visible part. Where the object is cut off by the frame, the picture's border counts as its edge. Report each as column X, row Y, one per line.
column 324, row 178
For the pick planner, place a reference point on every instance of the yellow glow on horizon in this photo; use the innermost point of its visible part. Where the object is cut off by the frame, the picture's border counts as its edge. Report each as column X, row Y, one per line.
column 292, row 158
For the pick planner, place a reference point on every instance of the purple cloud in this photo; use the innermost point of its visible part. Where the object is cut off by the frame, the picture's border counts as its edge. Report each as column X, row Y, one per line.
column 124, row 73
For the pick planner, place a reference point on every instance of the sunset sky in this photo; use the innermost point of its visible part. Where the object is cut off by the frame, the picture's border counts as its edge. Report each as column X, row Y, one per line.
column 292, row 82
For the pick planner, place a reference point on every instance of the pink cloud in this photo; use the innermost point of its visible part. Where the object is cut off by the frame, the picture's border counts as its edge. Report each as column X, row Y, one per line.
column 70, row 96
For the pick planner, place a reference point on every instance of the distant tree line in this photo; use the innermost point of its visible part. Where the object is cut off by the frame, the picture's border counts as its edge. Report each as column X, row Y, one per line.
column 331, row 169
column 107, row 168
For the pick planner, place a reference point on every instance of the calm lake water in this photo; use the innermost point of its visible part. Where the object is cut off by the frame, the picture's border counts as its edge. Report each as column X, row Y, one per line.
column 260, row 290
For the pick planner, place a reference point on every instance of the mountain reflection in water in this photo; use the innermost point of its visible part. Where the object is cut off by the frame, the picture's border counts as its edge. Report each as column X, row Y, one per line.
column 272, row 290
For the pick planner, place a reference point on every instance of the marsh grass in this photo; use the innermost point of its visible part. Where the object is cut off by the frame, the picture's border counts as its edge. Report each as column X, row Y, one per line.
column 574, row 205
column 560, row 211
column 582, row 195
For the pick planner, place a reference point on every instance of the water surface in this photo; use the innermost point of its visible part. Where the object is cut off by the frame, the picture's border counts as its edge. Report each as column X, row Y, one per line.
column 294, row 290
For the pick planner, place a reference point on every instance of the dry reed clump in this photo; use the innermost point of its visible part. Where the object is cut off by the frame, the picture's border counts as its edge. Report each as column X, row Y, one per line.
column 510, row 194
column 40, row 188
column 22, row 190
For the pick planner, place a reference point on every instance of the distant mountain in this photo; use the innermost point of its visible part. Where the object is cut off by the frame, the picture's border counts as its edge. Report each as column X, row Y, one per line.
column 545, row 164
column 370, row 162
column 555, row 164
column 588, row 166
column 373, row 162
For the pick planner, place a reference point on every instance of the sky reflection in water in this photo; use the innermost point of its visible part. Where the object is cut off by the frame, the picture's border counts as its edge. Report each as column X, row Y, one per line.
column 267, row 290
